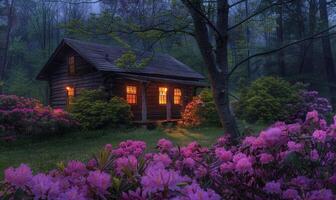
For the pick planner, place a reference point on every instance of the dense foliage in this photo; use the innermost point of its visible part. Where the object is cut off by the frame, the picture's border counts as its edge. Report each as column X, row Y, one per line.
column 201, row 111
column 25, row 116
column 285, row 161
column 266, row 100
column 94, row 110
column 309, row 101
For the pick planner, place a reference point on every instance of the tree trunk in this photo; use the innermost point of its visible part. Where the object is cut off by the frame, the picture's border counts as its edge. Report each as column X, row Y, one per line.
column 280, row 40
column 217, row 63
column 327, row 52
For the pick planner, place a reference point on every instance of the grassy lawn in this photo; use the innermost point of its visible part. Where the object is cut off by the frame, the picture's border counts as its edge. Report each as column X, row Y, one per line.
column 43, row 154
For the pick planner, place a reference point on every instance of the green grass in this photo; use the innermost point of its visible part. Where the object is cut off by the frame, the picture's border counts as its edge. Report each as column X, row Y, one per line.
column 42, row 154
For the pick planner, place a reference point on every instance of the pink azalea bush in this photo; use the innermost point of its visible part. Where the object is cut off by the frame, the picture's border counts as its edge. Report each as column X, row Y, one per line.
column 26, row 116
column 285, row 161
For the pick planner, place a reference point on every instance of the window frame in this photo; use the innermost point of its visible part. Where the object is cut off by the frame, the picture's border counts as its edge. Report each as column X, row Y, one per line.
column 177, row 94
column 70, row 98
column 165, row 96
column 133, row 94
column 71, row 65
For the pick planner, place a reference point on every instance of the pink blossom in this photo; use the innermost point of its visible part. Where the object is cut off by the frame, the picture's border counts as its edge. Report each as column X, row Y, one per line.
column 223, row 155
column 271, row 136
column 159, row 179
column 164, row 145
column 99, row 181
column 273, row 187
column 314, row 155
column 195, row 192
column 320, row 135
column 75, row 168
column 266, row 158
column 189, row 163
column 292, row 146
column 18, row 177
column 73, row 194
column 227, row 167
column 291, row 194
column 129, row 163
column 43, row 187
column 108, row 147
column 313, row 115
column 323, row 194
column 244, row 165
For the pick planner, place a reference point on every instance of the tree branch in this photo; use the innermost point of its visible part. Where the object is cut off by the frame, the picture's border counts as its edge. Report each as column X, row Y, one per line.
column 257, row 13
column 314, row 36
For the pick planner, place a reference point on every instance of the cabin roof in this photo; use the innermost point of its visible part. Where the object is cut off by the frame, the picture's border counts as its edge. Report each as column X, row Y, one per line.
column 103, row 58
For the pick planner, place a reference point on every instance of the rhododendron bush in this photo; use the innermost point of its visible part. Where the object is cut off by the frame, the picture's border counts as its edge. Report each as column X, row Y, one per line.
column 26, row 116
column 285, row 161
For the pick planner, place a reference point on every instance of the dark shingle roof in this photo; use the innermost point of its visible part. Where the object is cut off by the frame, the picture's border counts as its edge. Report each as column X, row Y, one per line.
column 103, row 58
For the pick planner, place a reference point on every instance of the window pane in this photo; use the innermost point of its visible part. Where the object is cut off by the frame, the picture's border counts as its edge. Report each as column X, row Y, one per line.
column 71, row 65
column 177, row 96
column 70, row 95
column 163, row 95
column 131, row 94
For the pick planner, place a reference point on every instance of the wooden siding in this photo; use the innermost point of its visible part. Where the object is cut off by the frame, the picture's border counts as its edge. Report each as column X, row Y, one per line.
column 86, row 78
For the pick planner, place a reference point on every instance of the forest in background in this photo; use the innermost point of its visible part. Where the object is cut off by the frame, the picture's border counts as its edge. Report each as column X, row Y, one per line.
column 31, row 29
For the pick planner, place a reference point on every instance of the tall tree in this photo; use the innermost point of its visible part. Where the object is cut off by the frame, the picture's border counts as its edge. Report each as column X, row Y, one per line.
column 327, row 52
column 280, row 39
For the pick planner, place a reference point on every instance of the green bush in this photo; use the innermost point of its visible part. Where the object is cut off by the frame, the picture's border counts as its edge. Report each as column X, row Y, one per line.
column 267, row 100
column 94, row 110
column 201, row 111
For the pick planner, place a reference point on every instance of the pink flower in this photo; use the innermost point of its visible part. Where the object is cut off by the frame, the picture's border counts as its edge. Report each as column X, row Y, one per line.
column 323, row 194
column 160, row 179
column 195, row 192
column 271, row 136
column 100, row 181
column 314, row 155
column 320, row 136
column 73, row 194
column 291, row 194
column 244, row 165
column 227, row 167
column 292, row 146
column 223, row 155
column 43, row 187
column 189, row 163
column 75, row 168
column 164, row 145
column 162, row 158
column 108, row 147
column 129, row 163
column 313, row 115
column 18, row 177
column 273, row 187
column 266, row 158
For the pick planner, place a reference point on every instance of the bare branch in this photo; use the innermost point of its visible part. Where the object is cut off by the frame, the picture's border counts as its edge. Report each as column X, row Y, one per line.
column 236, row 3
column 258, row 12
column 312, row 37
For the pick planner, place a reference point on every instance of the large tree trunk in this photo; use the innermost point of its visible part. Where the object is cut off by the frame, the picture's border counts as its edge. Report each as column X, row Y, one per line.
column 280, row 40
column 327, row 52
column 9, row 9
column 216, row 61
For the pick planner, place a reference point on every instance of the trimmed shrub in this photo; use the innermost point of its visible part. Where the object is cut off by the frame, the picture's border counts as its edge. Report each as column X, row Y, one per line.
column 26, row 116
column 285, row 161
column 93, row 110
column 201, row 111
column 267, row 100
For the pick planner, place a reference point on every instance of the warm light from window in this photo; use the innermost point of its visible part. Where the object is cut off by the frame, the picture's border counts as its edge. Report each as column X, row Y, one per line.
column 71, row 65
column 163, row 95
column 131, row 94
column 70, row 95
column 177, row 96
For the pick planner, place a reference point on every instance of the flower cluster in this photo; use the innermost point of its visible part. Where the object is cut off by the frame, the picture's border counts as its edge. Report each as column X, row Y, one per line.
column 285, row 161
column 25, row 116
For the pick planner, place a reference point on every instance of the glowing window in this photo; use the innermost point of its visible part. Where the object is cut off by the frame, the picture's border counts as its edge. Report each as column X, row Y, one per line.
column 70, row 95
column 177, row 96
column 71, row 65
column 131, row 94
column 163, row 95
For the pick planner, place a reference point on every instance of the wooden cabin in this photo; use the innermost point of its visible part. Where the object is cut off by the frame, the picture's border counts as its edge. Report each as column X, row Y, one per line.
column 157, row 91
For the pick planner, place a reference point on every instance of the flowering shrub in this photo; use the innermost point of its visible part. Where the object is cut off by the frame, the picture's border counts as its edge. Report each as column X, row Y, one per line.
column 94, row 110
column 285, row 161
column 309, row 101
column 201, row 111
column 25, row 116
